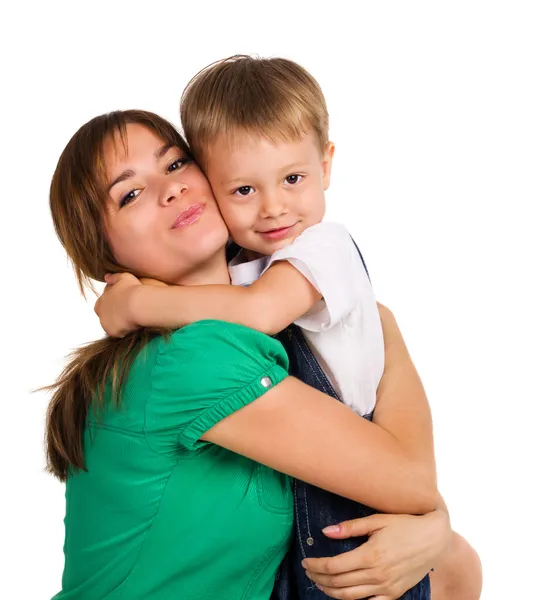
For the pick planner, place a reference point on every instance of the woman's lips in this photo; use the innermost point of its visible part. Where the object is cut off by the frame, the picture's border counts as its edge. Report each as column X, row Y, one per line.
column 277, row 234
column 189, row 215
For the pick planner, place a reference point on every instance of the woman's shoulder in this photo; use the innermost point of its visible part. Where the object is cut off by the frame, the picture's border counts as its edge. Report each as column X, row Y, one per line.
column 210, row 335
column 209, row 353
column 206, row 371
column 205, row 349
column 212, row 342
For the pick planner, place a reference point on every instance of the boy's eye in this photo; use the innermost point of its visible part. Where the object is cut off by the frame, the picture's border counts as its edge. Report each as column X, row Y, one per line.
column 245, row 190
column 178, row 164
column 293, row 179
column 127, row 198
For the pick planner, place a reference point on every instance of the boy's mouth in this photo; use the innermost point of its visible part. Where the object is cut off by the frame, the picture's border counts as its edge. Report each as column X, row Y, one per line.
column 277, row 233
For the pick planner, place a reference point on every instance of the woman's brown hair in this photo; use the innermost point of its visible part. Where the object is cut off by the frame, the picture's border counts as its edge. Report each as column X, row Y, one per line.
column 78, row 198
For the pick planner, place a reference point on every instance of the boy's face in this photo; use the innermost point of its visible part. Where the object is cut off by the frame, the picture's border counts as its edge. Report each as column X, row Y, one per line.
column 268, row 193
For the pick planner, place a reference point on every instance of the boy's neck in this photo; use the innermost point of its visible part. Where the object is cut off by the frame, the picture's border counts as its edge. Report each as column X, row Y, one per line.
column 250, row 255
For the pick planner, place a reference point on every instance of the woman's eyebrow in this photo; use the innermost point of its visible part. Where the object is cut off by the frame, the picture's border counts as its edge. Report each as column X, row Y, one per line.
column 122, row 177
column 160, row 153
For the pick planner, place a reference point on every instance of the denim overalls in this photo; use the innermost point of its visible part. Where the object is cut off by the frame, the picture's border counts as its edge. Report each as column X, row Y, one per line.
column 316, row 508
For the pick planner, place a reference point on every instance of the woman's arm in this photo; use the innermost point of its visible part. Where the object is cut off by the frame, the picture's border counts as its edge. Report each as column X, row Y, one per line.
column 295, row 429
column 401, row 402
column 401, row 548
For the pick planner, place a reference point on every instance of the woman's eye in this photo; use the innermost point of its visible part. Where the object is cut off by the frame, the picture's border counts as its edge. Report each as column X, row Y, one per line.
column 129, row 197
column 245, row 190
column 293, row 179
column 178, row 164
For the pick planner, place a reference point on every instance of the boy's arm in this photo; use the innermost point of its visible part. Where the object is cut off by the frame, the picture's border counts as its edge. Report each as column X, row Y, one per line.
column 320, row 263
column 281, row 295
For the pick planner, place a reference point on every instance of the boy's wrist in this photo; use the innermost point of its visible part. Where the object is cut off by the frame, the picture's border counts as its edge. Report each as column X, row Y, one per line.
column 150, row 306
column 137, row 306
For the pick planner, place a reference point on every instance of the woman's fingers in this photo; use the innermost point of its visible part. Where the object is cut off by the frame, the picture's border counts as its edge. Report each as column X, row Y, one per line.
column 355, row 527
column 399, row 553
column 354, row 593
column 363, row 557
column 349, row 579
column 342, row 563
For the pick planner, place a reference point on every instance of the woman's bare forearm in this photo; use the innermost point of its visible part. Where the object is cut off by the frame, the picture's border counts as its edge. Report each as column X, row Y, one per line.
column 401, row 405
column 297, row 430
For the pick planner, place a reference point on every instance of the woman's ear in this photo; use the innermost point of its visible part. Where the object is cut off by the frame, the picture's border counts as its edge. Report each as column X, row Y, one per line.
column 326, row 164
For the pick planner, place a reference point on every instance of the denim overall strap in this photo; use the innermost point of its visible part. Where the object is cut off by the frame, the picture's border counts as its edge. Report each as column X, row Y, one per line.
column 361, row 257
column 316, row 508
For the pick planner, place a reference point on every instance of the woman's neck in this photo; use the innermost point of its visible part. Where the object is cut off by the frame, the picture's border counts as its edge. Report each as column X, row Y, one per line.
column 214, row 271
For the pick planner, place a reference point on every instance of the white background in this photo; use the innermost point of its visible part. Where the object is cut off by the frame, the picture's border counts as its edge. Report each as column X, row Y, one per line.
column 435, row 110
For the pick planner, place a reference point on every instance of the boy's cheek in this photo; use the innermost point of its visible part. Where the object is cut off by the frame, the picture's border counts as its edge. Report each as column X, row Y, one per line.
column 226, row 210
column 236, row 218
column 240, row 234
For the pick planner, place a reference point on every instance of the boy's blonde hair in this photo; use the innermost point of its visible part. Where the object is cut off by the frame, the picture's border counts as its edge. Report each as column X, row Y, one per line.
column 271, row 97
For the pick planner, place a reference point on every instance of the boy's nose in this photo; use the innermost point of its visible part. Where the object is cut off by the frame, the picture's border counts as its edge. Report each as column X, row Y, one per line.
column 272, row 205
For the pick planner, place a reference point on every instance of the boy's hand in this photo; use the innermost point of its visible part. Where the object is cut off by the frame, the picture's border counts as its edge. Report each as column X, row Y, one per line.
column 114, row 305
column 154, row 282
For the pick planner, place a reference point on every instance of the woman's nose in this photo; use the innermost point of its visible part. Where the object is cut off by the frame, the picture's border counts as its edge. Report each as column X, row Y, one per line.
column 172, row 192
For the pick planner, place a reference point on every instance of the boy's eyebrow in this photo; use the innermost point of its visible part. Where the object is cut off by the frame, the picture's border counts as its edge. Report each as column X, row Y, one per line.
column 230, row 181
column 290, row 167
column 160, row 153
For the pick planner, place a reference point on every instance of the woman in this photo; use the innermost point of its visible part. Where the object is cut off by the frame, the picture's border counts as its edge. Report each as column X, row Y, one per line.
column 159, row 438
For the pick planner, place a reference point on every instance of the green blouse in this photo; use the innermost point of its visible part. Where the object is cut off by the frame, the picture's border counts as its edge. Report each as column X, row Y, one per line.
column 161, row 514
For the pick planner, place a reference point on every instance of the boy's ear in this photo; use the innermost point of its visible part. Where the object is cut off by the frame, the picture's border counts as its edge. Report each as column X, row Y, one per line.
column 326, row 164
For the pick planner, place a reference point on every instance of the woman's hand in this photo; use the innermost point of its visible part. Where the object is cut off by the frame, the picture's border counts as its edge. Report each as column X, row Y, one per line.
column 401, row 550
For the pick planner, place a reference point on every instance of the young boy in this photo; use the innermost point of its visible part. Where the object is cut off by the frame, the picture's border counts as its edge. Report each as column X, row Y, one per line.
column 259, row 130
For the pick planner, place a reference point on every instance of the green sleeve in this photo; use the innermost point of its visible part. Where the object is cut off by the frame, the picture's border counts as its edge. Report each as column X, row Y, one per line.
column 207, row 371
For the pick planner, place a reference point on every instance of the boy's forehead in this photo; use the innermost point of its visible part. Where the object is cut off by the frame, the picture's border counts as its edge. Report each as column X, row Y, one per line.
column 245, row 142
column 238, row 141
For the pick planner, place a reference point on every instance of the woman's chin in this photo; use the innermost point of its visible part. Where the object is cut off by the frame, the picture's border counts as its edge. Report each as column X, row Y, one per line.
column 212, row 239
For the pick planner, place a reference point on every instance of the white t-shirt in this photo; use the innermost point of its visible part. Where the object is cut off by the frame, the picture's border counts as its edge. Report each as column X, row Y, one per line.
column 344, row 329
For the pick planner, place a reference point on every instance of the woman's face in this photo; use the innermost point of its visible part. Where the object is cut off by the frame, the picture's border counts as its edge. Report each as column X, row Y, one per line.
column 162, row 220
